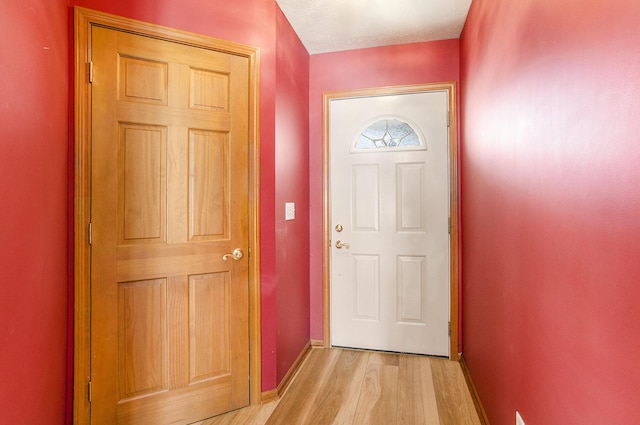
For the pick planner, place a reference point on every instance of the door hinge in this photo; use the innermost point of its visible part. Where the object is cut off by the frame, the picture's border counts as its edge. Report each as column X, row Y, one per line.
column 90, row 234
column 89, row 391
column 449, row 225
column 90, row 72
column 448, row 119
column 449, row 328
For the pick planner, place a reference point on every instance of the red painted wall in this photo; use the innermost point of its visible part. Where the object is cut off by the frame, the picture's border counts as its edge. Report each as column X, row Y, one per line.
column 551, row 209
column 292, row 185
column 366, row 68
column 33, row 215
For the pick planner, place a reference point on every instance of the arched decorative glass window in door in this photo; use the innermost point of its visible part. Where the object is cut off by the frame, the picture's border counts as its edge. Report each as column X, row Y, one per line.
column 389, row 134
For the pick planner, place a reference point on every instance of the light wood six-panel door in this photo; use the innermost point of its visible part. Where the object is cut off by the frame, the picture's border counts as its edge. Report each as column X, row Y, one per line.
column 169, row 316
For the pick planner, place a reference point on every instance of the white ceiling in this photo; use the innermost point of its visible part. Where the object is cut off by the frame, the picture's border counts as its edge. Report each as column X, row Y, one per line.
column 334, row 25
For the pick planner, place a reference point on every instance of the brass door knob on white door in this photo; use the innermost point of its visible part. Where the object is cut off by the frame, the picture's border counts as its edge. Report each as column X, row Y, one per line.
column 237, row 254
column 340, row 245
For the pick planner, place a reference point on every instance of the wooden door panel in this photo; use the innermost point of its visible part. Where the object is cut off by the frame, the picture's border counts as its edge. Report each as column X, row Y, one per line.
column 142, row 342
column 170, row 330
column 209, row 90
column 142, row 80
column 142, row 185
column 209, row 326
column 208, row 185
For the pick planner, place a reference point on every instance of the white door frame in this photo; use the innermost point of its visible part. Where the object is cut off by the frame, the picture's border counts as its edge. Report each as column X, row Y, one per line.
column 450, row 88
column 84, row 19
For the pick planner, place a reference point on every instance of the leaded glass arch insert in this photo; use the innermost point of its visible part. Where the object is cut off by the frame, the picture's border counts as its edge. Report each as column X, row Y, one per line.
column 389, row 133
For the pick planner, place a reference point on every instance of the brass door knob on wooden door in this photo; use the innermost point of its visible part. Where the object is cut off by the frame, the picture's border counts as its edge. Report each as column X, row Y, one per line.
column 237, row 255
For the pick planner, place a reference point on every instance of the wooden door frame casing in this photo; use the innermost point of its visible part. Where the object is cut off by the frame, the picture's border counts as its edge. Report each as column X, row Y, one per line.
column 450, row 88
column 84, row 19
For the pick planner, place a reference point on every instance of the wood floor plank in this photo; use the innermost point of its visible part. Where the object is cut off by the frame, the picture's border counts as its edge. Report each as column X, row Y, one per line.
column 349, row 387
column 417, row 403
column 430, row 403
column 378, row 404
column 387, row 359
column 455, row 405
column 338, row 398
column 252, row 415
column 298, row 403
column 261, row 416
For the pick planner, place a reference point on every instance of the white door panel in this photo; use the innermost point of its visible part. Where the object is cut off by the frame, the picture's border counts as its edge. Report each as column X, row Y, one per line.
column 390, row 284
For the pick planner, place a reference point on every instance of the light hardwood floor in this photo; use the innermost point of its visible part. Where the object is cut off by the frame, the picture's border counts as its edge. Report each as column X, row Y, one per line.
column 348, row 387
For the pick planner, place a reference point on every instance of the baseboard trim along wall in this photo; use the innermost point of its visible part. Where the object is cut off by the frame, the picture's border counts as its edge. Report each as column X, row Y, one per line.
column 474, row 394
column 271, row 395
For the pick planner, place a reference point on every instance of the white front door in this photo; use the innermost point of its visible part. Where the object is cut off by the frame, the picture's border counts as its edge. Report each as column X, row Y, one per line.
column 389, row 183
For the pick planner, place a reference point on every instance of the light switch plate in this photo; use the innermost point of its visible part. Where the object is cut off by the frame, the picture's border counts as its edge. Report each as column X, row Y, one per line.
column 289, row 210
